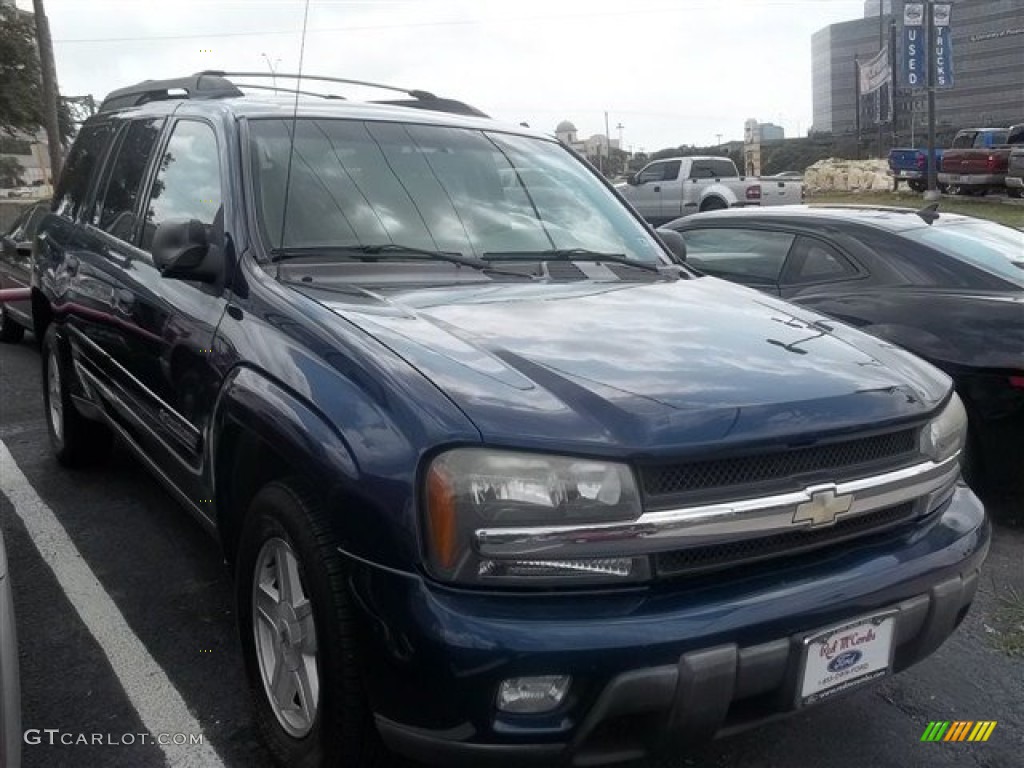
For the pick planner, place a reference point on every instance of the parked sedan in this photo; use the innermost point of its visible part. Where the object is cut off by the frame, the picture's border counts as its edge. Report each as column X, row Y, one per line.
column 948, row 288
column 15, row 270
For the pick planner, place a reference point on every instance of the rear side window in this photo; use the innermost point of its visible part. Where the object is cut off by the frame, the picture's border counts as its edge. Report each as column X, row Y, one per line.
column 712, row 169
column 813, row 261
column 749, row 254
column 78, row 171
column 187, row 185
column 115, row 208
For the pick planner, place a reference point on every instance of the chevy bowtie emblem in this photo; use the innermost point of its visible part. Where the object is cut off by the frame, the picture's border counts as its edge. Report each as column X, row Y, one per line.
column 823, row 507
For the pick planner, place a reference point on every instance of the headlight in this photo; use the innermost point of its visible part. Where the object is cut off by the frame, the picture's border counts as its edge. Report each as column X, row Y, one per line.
column 467, row 489
column 945, row 435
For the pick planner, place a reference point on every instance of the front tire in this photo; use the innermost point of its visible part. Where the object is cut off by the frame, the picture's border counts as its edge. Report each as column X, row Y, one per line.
column 76, row 440
column 297, row 634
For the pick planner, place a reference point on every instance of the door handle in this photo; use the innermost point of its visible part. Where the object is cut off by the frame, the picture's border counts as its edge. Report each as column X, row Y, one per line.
column 124, row 301
column 657, row 188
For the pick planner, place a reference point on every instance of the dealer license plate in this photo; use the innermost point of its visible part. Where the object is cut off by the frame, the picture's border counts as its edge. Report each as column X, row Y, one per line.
column 904, row 174
column 846, row 656
column 965, row 179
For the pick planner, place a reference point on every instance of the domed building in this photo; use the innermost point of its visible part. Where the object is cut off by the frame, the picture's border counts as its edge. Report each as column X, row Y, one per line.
column 566, row 133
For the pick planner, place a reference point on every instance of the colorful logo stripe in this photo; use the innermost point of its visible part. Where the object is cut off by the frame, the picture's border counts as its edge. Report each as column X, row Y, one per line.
column 958, row 730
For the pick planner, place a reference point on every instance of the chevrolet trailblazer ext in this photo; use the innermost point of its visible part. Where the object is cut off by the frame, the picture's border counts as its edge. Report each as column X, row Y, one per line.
column 499, row 480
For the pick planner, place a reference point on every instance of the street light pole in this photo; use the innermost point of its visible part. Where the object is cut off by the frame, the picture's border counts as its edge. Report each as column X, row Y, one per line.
column 933, row 173
column 273, row 71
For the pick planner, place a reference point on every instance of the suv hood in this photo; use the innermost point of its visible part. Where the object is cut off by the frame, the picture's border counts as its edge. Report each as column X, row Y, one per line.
column 641, row 367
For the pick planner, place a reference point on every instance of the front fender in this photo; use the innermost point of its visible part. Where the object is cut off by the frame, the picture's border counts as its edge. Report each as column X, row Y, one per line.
column 250, row 401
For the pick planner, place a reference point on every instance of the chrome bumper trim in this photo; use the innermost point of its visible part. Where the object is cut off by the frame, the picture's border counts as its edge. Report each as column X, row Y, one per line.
column 926, row 483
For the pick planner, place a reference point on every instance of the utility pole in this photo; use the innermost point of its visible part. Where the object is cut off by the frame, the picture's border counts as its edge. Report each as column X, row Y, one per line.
column 878, row 93
column 719, row 137
column 50, row 95
column 607, row 142
column 933, row 186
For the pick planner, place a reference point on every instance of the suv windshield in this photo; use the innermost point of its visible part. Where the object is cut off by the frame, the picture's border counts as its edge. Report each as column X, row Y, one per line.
column 435, row 188
column 997, row 249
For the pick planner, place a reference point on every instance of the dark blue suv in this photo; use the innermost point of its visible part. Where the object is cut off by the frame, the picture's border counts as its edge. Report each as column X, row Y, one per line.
column 500, row 479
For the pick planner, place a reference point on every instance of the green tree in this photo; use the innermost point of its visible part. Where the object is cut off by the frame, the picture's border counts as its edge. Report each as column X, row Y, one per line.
column 21, row 107
column 10, row 172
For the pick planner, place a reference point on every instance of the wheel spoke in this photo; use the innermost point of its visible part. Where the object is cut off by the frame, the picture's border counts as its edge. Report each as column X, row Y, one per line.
column 282, row 684
column 288, row 577
column 306, row 687
column 266, row 606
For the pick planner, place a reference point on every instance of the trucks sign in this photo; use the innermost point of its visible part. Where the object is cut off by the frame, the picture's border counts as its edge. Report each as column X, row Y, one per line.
column 914, row 61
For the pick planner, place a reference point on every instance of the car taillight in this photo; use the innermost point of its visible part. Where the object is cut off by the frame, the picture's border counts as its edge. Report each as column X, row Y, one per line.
column 1017, row 382
column 992, row 163
column 922, row 161
column 754, row 192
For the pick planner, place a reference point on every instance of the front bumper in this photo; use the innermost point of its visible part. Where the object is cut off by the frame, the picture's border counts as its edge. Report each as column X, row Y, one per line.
column 652, row 667
column 1016, row 182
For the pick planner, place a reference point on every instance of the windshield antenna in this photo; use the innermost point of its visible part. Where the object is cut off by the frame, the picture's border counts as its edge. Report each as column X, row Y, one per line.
column 291, row 145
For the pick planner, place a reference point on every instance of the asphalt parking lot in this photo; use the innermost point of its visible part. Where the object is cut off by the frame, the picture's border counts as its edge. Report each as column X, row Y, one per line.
column 126, row 627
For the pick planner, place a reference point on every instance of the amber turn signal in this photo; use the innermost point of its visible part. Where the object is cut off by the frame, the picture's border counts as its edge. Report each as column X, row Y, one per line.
column 441, row 519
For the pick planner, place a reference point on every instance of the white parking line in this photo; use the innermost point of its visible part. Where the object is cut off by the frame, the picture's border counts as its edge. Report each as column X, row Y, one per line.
column 154, row 697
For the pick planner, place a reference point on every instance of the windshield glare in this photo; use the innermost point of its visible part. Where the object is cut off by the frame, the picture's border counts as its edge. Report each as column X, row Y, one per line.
column 458, row 190
column 997, row 249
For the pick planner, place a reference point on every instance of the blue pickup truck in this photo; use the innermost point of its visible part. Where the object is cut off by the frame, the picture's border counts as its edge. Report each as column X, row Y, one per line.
column 911, row 166
column 500, row 478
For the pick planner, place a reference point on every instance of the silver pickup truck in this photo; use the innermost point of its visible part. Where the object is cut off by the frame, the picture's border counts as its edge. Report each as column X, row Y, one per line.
column 678, row 186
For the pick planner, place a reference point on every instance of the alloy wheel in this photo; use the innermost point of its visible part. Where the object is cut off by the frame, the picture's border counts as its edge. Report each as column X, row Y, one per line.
column 53, row 386
column 285, row 635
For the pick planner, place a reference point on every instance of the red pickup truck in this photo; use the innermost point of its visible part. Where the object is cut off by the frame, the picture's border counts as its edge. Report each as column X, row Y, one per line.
column 978, row 159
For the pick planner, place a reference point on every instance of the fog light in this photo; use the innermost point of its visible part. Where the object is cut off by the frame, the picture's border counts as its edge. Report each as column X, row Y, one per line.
column 532, row 695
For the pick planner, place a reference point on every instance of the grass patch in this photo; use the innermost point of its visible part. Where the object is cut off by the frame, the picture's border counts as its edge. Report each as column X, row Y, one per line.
column 1009, row 214
column 1009, row 620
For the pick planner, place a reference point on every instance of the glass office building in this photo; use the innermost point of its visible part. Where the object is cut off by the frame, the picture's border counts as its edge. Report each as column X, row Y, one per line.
column 988, row 68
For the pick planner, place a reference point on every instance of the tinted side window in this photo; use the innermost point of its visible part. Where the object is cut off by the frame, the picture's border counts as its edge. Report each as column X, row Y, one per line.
column 738, row 253
column 79, row 169
column 115, row 209
column 187, row 185
column 813, row 261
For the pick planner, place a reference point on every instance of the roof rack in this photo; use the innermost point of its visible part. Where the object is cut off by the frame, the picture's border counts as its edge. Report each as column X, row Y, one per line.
column 203, row 85
column 214, row 84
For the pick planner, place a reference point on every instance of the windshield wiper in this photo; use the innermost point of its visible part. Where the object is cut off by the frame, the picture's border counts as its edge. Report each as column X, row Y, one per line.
column 574, row 254
column 386, row 251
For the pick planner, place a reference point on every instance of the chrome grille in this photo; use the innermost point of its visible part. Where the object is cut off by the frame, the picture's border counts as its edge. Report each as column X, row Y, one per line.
column 730, row 472
column 745, row 551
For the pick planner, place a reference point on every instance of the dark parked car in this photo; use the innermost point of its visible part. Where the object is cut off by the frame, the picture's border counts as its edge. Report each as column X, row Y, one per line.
column 16, row 270
column 498, row 479
column 948, row 288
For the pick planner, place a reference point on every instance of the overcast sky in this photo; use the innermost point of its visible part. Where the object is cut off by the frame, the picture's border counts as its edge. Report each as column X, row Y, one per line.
column 671, row 71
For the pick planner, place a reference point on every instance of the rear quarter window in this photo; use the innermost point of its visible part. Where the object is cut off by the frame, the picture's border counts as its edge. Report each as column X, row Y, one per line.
column 80, row 169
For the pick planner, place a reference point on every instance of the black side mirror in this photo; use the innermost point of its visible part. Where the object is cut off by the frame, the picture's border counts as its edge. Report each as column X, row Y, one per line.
column 673, row 241
column 180, row 250
column 10, row 248
column 632, row 180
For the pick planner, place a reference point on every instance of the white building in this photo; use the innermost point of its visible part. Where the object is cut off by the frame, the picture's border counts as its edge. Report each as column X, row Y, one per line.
column 596, row 146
